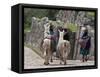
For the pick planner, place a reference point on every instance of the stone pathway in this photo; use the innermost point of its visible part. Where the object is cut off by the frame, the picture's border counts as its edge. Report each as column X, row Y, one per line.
column 32, row 61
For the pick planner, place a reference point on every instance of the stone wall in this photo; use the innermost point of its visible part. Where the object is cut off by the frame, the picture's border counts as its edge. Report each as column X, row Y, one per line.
column 80, row 18
column 35, row 36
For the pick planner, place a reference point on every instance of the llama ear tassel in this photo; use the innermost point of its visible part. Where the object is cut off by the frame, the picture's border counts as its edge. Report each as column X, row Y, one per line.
column 48, row 25
column 63, row 30
column 59, row 30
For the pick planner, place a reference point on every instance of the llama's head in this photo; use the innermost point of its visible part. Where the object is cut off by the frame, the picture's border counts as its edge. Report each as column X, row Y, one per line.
column 61, row 33
column 47, row 27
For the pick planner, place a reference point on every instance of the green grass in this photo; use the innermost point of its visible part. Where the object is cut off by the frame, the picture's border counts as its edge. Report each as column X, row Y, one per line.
column 27, row 30
column 91, row 13
column 71, row 26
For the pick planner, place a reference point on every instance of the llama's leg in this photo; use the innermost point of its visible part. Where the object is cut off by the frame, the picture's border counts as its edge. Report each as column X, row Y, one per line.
column 44, row 50
column 49, row 55
column 46, row 59
column 65, row 57
column 44, row 54
column 61, row 56
column 51, row 60
column 65, row 62
column 60, row 60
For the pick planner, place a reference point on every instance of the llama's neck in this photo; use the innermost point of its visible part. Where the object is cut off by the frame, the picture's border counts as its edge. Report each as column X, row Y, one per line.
column 61, row 39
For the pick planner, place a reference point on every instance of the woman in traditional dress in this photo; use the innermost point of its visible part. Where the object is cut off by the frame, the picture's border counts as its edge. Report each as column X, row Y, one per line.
column 53, row 39
column 85, row 43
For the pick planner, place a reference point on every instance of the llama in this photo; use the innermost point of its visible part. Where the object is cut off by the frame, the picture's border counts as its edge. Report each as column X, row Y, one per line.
column 63, row 47
column 47, row 44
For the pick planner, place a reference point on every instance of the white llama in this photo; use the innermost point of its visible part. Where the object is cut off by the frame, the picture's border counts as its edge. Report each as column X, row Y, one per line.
column 63, row 47
column 47, row 44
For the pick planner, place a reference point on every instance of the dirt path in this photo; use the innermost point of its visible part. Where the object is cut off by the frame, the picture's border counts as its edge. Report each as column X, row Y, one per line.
column 33, row 60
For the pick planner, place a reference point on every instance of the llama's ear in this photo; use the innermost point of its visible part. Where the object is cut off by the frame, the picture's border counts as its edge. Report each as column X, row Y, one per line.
column 48, row 25
column 58, row 30
column 44, row 25
column 63, row 30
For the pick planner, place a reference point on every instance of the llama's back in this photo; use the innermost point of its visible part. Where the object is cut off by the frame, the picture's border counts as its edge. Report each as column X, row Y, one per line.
column 47, row 43
column 64, row 45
